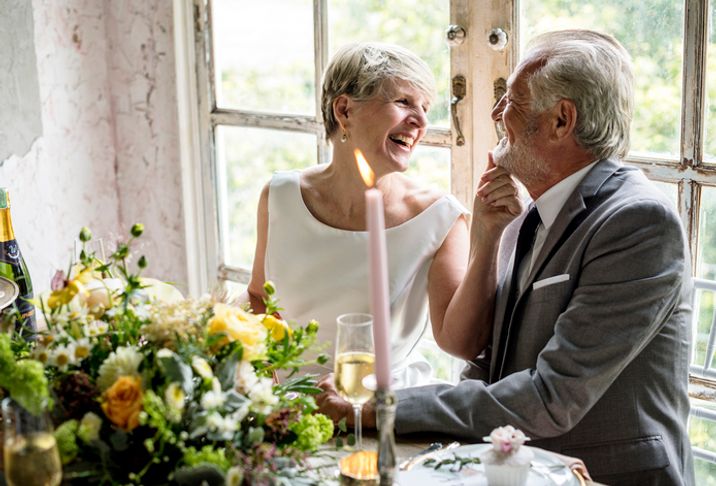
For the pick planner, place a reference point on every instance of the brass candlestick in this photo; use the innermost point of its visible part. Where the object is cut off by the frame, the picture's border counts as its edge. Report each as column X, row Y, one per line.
column 385, row 417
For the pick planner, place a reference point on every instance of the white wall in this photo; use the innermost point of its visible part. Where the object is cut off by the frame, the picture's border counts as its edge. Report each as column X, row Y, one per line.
column 108, row 155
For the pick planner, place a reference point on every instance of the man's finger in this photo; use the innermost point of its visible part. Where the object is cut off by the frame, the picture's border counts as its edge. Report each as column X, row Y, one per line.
column 490, row 161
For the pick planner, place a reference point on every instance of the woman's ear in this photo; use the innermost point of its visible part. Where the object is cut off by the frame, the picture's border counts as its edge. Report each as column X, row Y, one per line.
column 341, row 109
column 564, row 119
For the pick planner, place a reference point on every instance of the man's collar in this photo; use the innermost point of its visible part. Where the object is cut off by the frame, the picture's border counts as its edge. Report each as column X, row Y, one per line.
column 550, row 203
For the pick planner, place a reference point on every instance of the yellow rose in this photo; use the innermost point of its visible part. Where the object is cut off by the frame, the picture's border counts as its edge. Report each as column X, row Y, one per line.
column 239, row 325
column 277, row 327
column 122, row 402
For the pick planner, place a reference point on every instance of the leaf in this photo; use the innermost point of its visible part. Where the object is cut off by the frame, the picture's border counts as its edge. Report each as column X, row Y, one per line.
column 176, row 370
column 234, row 400
column 119, row 440
column 226, row 370
column 199, row 475
column 342, row 425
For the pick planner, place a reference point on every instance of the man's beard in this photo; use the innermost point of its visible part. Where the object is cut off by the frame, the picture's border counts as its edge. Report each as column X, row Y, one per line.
column 521, row 160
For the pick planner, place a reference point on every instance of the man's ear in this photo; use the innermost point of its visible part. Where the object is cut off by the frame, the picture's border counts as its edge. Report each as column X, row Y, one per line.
column 564, row 119
column 341, row 109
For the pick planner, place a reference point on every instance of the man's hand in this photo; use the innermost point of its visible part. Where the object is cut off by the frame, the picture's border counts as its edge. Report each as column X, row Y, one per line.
column 336, row 408
column 497, row 201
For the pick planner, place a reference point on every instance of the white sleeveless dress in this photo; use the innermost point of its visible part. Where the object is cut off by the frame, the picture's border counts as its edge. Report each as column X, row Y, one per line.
column 322, row 272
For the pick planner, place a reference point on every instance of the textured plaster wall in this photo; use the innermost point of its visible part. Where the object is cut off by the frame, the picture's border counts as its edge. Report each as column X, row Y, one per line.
column 108, row 155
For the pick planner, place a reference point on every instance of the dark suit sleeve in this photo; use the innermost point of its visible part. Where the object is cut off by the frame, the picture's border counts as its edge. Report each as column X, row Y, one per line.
column 629, row 281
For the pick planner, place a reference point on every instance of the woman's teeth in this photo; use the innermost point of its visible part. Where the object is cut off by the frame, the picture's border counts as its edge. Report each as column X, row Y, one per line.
column 403, row 140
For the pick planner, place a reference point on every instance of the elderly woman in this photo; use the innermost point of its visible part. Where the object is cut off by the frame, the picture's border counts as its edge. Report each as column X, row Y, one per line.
column 312, row 239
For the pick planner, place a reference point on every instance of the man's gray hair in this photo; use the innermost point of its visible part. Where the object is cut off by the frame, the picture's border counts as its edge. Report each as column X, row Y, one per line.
column 363, row 70
column 594, row 71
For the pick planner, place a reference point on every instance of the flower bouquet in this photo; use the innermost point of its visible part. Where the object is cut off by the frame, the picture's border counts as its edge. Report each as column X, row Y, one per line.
column 146, row 387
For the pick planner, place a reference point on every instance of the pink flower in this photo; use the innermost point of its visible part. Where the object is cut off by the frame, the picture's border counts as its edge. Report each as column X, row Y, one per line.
column 506, row 440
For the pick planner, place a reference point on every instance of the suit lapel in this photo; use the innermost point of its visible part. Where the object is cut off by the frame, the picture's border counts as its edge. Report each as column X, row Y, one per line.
column 573, row 207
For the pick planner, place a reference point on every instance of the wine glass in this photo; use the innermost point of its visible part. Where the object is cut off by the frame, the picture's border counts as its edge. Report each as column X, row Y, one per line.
column 29, row 449
column 354, row 361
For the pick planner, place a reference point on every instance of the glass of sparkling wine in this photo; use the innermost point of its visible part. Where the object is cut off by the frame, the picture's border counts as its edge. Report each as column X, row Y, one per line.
column 354, row 361
column 29, row 449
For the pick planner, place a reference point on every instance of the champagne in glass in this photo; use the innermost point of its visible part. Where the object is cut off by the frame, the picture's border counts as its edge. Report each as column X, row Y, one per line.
column 30, row 451
column 354, row 361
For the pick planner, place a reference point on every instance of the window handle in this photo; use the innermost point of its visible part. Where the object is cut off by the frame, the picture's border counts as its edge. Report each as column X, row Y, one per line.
column 459, row 89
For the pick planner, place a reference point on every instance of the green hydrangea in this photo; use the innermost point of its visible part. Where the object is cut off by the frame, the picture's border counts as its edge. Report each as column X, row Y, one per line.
column 207, row 454
column 25, row 380
column 312, row 431
column 66, row 437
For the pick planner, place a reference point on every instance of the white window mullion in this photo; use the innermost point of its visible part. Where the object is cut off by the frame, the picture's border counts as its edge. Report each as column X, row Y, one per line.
column 320, row 45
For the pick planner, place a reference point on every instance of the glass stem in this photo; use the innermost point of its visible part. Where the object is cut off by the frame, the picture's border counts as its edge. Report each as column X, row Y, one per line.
column 358, row 426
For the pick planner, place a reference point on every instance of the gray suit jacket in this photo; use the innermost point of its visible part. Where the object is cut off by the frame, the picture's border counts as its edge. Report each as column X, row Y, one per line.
column 596, row 364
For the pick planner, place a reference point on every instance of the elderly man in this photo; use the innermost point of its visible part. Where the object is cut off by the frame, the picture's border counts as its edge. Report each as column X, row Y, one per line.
column 590, row 342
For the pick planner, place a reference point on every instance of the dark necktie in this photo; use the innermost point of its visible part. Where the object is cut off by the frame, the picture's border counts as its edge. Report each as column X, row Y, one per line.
column 525, row 239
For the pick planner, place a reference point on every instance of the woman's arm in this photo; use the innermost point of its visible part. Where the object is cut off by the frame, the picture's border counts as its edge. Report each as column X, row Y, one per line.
column 462, row 301
column 255, row 290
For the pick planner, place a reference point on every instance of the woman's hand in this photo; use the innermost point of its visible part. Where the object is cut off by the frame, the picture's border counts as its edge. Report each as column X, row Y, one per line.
column 497, row 201
column 336, row 408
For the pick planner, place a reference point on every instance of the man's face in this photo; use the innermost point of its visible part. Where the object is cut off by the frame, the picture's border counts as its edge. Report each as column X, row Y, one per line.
column 518, row 151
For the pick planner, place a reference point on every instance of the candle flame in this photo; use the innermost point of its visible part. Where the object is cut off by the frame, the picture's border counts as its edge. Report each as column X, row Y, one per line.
column 365, row 171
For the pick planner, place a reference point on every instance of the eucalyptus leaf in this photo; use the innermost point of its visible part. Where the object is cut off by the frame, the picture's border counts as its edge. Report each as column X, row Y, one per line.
column 176, row 370
column 199, row 475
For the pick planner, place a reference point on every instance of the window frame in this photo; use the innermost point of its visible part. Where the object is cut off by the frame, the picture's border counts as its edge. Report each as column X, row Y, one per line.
column 484, row 68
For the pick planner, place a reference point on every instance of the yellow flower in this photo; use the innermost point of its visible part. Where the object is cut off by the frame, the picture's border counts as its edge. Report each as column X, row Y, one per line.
column 65, row 295
column 277, row 327
column 122, row 402
column 238, row 325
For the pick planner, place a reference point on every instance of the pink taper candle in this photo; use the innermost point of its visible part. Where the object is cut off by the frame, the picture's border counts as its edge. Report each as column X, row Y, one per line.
column 380, row 304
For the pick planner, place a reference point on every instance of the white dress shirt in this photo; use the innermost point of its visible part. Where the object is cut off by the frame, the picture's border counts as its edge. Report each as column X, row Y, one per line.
column 549, row 205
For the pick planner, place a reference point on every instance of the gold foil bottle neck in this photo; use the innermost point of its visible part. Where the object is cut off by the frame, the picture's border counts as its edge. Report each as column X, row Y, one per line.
column 6, row 232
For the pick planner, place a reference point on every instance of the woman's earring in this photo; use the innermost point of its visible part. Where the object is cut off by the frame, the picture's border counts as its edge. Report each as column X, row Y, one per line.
column 344, row 136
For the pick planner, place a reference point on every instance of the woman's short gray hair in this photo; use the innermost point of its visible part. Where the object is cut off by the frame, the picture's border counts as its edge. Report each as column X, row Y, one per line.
column 361, row 70
column 594, row 71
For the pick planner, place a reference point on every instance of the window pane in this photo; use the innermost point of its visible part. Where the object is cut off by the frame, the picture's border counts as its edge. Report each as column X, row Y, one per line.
column 264, row 55
column 702, row 432
column 670, row 190
column 710, row 109
column 652, row 33
column 430, row 166
column 706, row 267
column 246, row 158
column 422, row 30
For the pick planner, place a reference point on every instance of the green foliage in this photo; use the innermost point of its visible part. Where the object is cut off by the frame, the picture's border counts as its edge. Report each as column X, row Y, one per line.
column 312, row 431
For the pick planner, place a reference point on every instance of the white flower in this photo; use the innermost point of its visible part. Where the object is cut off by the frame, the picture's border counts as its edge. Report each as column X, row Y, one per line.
column 82, row 348
column 201, row 367
column 89, row 427
column 234, row 476
column 221, row 424
column 174, row 396
column 97, row 328
column 62, row 357
column 240, row 414
column 214, row 398
column 262, row 396
column 124, row 361
column 41, row 354
column 165, row 353
column 245, row 377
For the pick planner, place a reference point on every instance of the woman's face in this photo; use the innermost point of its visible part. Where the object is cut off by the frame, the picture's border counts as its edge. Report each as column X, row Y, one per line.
column 387, row 127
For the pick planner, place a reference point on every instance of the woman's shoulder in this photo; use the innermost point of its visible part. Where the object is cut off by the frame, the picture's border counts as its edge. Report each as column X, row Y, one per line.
column 417, row 198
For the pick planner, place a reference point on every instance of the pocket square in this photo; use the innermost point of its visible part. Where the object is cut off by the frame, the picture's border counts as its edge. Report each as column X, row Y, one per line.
column 550, row 281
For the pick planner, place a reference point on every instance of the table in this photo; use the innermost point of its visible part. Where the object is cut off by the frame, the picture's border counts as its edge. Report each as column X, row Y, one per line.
column 326, row 462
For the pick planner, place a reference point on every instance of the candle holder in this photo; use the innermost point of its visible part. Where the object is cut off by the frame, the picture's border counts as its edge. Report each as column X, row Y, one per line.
column 385, row 419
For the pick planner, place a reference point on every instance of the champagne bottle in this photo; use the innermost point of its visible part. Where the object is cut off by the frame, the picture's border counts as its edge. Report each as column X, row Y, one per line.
column 12, row 267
